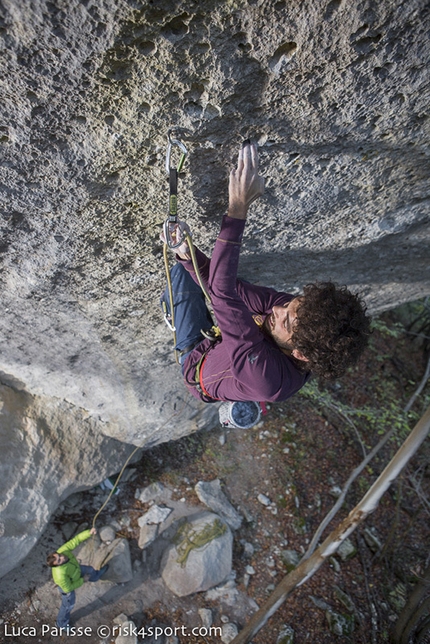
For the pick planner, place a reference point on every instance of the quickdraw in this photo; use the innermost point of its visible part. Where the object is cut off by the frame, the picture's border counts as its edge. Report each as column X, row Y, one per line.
column 173, row 173
column 174, row 237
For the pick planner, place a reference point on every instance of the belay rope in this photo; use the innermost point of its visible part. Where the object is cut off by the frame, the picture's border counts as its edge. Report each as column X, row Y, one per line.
column 171, row 226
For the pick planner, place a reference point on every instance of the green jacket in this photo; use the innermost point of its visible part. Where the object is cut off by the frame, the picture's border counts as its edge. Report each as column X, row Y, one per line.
column 68, row 575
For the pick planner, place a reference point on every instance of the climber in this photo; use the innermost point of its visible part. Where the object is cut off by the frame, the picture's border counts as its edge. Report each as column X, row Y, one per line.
column 270, row 341
column 68, row 574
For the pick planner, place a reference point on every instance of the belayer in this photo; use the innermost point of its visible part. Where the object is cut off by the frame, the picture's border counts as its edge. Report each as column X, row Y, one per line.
column 69, row 575
column 270, row 341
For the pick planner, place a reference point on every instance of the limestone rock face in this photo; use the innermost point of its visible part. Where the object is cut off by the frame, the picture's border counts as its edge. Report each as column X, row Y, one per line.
column 336, row 95
column 48, row 449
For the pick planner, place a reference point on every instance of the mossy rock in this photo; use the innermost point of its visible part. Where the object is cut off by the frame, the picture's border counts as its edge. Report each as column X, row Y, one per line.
column 339, row 623
column 286, row 635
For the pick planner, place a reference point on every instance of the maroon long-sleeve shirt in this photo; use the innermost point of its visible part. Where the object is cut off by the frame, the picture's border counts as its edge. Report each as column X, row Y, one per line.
column 245, row 364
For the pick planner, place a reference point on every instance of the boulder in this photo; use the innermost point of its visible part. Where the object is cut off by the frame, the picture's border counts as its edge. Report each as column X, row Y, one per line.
column 156, row 514
column 148, row 533
column 187, row 568
column 229, row 632
column 154, row 492
column 210, row 493
column 115, row 553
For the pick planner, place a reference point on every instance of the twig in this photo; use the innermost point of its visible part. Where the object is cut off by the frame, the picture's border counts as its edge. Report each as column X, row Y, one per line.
column 419, row 492
column 350, row 422
column 355, row 473
column 418, row 335
column 361, row 467
column 420, row 387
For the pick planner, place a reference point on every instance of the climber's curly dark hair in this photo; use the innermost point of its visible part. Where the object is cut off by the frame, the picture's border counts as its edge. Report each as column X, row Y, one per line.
column 331, row 330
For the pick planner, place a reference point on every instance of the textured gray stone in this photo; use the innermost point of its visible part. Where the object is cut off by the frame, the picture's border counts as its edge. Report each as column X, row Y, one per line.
column 286, row 635
column 372, row 539
column 88, row 92
column 205, row 566
column 154, row 492
column 264, row 500
column 290, row 558
column 156, row 514
column 210, row 493
column 229, row 632
column 227, row 593
column 346, row 550
column 127, row 634
column 340, row 624
column 48, row 449
column 69, row 529
column 116, row 554
column 206, row 617
column 147, row 534
column 107, row 534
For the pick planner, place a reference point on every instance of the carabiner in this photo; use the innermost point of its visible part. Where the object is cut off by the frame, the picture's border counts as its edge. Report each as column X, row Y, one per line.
column 181, row 146
column 168, row 228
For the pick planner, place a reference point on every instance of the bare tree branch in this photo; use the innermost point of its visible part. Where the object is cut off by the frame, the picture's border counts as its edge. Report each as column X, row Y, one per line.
column 419, row 492
column 350, row 423
column 308, row 567
column 355, row 473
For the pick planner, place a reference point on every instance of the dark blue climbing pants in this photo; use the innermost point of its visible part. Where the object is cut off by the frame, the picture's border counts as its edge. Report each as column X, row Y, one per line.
column 191, row 314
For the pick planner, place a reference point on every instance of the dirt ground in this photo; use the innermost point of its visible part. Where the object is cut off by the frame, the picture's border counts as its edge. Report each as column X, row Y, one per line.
column 299, row 456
